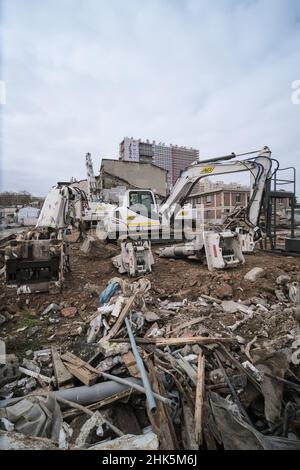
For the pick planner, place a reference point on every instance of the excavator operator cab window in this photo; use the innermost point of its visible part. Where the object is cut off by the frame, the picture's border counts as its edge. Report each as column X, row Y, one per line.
column 141, row 202
column 147, row 201
column 133, row 199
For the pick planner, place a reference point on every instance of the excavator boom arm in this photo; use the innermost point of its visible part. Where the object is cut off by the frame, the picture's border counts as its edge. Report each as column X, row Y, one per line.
column 259, row 167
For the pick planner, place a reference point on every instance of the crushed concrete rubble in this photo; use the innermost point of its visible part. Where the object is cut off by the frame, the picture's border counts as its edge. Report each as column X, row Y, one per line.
column 180, row 358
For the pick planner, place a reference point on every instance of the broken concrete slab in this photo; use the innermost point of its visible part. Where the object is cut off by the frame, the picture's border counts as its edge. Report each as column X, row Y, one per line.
column 254, row 274
column 110, row 348
column 229, row 306
column 31, row 365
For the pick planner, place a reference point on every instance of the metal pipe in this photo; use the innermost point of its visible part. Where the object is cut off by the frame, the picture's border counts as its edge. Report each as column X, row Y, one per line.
column 217, row 159
column 228, row 157
column 141, row 367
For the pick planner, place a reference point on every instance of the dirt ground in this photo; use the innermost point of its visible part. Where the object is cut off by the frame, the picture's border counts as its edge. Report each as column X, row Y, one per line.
column 173, row 280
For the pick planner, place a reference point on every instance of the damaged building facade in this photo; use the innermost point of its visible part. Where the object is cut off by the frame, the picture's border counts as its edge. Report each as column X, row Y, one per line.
column 116, row 174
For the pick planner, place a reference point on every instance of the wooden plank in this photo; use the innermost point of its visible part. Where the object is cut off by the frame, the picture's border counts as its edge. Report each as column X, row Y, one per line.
column 209, row 427
column 211, row 299
column 199, row 398
column 62, row 375
column 80, row 369
column 130, row 364
column 114, row 330
column 191, row 340
column 76, row 361
column 177, row 341
column 81, row 374
column 161, row 421
column 188, row 428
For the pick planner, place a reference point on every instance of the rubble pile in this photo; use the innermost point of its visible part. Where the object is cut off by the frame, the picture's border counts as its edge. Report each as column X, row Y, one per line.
column 151, row 371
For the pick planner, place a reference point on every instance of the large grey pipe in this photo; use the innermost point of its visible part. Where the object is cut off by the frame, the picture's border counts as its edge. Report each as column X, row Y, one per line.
column 84, row 395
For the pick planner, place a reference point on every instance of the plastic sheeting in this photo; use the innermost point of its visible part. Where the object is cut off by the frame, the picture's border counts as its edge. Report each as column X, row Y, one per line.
column 237, row 434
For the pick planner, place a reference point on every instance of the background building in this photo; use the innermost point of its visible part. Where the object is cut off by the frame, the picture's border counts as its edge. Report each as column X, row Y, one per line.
column 172, row 158
column 28, row 215
column 163, row 158
column 219, row 199
column 129, row 150
column 181, row 158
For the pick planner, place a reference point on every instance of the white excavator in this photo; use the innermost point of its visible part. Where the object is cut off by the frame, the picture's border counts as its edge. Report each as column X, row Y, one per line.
column 137, row 214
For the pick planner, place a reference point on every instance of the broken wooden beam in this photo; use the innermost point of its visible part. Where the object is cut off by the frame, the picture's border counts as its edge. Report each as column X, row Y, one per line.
column 130, row 363
column 63, row 377
column 161, row 421
column 202, row 340
column 80, row 369
column 188, row 429
column 199, row 398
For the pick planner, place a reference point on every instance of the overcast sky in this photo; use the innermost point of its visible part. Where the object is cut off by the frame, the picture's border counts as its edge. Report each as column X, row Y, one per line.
column 82, row 74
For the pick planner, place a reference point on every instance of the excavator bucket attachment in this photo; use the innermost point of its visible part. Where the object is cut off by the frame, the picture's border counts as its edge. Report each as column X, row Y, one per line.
column 135, row 259
column 222, row 250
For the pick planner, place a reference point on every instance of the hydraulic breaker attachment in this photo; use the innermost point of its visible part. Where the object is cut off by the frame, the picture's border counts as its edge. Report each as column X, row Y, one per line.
column 135, row 259
column 220, row 250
